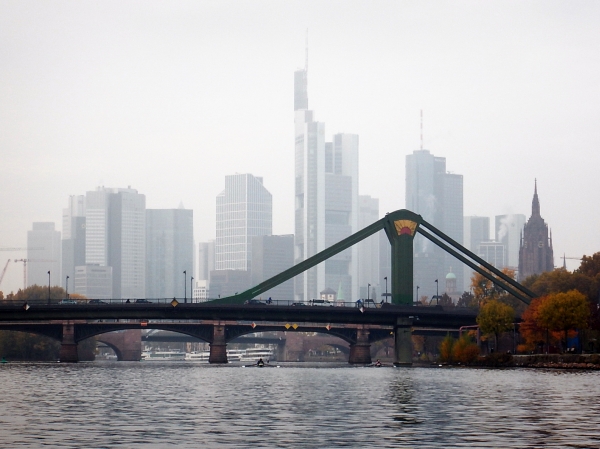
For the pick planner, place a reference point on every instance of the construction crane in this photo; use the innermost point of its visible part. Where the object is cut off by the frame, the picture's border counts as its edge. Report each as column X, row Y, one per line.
column 25, row 267
column 4, row 271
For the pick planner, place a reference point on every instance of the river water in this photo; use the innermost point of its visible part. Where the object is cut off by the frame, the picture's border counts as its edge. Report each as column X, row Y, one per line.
column 191, row 405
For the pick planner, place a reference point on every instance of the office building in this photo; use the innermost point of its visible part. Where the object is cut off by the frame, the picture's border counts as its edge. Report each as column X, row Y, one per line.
column 169, row 252
column 43, row 255
column 437, row 196
column 272, row 254
column 93, row 281
column 244, row 210
column 476, row 230
column 206, row 259
column 368, row 250
column 326, row 201
column 73, row 239
column 493, row 253
column 116, row 237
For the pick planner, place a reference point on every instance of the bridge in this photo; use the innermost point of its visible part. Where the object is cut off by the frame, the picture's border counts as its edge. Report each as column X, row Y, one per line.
column 72, row 323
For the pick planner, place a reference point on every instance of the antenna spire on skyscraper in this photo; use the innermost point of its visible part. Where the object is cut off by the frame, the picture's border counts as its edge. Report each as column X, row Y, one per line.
column 421, row 129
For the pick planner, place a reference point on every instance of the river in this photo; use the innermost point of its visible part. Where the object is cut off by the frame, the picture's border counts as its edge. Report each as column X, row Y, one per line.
column 191, row 405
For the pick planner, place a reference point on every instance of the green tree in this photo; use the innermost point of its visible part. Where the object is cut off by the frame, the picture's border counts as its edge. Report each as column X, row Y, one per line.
column 446, row 300
column 562, row 312
column 494, row 318
column 446, row 347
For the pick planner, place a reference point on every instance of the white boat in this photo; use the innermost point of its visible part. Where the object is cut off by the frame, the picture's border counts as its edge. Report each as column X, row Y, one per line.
column 254, row 354
column 201, row 356
column 163, row 356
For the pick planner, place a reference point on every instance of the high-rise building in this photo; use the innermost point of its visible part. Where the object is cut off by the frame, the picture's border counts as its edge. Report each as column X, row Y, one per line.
column 326, row 201
column 272, row 254
column 93, row 281
column 43, row 255
column 206, row 260
column 508, row 231
column 73, row 234
column 535, row 253
column 437, row 196
column 368, row 249
column 169, row 252
column 493, row 253
column 244, row 210
column 476, row 230
column 116, row 237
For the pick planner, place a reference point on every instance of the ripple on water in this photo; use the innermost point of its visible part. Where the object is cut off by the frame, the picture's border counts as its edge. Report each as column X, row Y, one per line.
column 135, row 405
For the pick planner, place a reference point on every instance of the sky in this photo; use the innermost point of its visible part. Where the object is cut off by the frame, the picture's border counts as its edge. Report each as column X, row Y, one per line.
column 170, row 97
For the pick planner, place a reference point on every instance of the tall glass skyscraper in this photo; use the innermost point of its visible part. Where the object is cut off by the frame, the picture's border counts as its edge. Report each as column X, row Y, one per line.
column 169, row 252
column 244, row 210
column 326, row 201
column 116, row 237
column 437, row 196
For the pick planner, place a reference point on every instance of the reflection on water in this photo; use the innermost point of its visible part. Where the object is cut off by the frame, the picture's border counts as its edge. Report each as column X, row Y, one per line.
column 135, row 405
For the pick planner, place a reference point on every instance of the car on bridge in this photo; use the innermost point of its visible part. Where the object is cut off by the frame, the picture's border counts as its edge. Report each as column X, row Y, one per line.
column 96, row 301
column 142, row 301
column 255, row 302
column 67, row 301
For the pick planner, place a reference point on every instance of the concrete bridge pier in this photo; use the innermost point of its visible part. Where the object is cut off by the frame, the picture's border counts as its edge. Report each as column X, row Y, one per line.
column 68, row 346
column 360, row 352
column 218, row 346
column 403, row 342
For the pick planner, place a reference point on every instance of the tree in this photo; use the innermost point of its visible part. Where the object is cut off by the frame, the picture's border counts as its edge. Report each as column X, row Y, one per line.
column 562, row 312
column 485, row 290
column 446, row 301
column 494, row 318
column 467, row 299
column 465, row 350
column 446, row 347
column 532, row 331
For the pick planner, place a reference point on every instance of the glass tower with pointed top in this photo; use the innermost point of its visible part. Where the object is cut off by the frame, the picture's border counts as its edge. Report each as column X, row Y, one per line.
column 326, row 200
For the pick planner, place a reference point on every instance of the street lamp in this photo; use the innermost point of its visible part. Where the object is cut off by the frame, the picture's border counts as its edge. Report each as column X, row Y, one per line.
column 386, row 293
column 67, row 293
column 48, row 287
column 437, row 292
column 184, row 286
column 368, row 291
column 417, row 293
column 191, row 289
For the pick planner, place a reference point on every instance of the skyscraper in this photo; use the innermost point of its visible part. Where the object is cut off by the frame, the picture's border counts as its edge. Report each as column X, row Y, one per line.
column 368, row 249
column 476, row 230
column 73, row 234
column 244, row 210
column 272, row 254
column 116, row 237
column 437, row 196
column 169, row 252
column 535, row 253
column 43, row 254
column 326, row 200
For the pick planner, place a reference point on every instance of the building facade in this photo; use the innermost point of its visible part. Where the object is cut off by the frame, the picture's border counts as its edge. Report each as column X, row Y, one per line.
column 368, row 250
column 43, row 255
column 508, row 231
column 244, row 210
column 272, row 254
column 73, row 238
column 437, row 196
column 169, row 252
column 116, row 237
column 535, row 253
column 326, row 200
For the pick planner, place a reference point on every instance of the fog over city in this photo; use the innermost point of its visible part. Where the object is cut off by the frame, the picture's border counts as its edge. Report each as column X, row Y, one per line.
column 170, row 97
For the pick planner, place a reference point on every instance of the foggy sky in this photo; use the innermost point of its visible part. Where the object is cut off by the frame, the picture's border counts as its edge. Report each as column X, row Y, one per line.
column 169, row 97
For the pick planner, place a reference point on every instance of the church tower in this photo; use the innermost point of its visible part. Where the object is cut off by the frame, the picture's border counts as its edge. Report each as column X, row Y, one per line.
column 535, row 251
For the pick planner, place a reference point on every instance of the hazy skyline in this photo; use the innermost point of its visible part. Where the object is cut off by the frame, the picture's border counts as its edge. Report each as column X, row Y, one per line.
column 169, row 98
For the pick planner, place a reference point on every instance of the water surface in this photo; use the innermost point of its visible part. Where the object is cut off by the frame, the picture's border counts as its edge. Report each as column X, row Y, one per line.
column 190, row 405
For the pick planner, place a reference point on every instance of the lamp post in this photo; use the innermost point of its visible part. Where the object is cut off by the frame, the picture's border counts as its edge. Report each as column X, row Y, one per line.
column 386, row 293
column 191, row 289
column 417, row 293
column 184, row 286
column 67, row 283
column 437, row 292
column 48, row 287
column 368, row 292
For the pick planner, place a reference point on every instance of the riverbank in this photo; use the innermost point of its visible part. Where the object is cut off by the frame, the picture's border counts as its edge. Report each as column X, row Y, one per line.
column 562, row 361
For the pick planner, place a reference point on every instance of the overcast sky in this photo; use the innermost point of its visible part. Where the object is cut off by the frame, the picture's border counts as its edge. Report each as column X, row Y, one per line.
column 169, row 97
